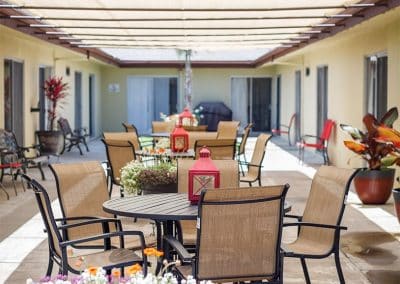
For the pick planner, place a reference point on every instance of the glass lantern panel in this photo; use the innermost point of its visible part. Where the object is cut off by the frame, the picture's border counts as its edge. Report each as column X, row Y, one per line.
column 179, row 143
column 201, row 182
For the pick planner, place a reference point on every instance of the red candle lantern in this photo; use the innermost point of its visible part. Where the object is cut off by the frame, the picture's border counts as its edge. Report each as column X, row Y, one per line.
column 186, row 114
column 179, row 138
column 202, row 175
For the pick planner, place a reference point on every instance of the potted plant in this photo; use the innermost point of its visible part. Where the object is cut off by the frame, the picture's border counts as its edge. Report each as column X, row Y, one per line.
column 379, row 147
column 55, row 91
column 137, row 178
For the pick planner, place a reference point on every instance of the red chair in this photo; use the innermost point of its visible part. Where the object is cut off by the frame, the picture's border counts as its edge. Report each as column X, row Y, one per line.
column 321, row 143
column 285, row 129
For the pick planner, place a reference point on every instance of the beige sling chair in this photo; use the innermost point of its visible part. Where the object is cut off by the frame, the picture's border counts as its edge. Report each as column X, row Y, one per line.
column 221, row 149
column 143, row 140
column 229, row 177
column 227, row 129
column 254, row 167
column 238, row 236
column 119, row 153
column 241, row 146
column 82, row 190
column 319, row 227
column 59, row 245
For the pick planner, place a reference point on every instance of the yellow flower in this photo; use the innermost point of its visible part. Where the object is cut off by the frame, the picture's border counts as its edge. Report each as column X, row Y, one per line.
column 134, row 269
column 149, row 251
column 92, row 270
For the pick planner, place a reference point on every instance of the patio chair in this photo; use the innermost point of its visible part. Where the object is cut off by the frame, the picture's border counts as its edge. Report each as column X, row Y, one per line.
column 238, row 236
column 77, row 185
column 227, row 129
column 107, row 258
column 119, row 153
column 285, row 129
column 253, row 173
column 34, row 159
column 319, row 227
column 221, row 149
column 72, row 138
column 229, row 177
column 143, row 140
column 321, row 143
column 241, row 147
column 162, row 126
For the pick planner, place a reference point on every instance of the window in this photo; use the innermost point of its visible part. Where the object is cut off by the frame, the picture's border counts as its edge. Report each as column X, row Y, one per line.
column 376, row 84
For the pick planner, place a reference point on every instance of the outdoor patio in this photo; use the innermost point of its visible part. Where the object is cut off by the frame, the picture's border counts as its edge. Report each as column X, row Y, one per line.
column 370, row 246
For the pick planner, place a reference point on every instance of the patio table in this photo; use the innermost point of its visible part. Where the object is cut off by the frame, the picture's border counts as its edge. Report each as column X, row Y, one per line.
column 167, row 155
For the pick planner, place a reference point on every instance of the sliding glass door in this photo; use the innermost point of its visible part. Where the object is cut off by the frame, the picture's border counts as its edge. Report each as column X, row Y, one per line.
column 251, row 102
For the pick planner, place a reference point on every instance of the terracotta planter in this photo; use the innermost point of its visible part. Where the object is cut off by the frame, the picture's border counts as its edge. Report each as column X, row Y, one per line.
column 374, row 186
column 161, row 188
column 396, row 197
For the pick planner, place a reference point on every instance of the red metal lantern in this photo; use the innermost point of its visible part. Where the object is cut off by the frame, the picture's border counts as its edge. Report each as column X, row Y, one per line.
column 179, row 139
column 202, row 175
column 186, row 114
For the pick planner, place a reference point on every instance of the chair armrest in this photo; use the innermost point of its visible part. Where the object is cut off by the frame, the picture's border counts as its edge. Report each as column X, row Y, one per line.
column 249, row 164
column 298, row 217
column 307, row 136
column 104, row 221
column 308, row 224
column 183, row 254
column 106, row 236
column 283, row 125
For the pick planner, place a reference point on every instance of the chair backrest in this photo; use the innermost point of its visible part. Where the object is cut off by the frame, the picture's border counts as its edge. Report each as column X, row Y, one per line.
column 64, row 126
column 221, row 149
column 291, row 121
column 44, row 204
column 9, row 143
column 239, row 233
column 162, row 126
column 119, row 153
column 130, row 128
column 123, row 136
column 82, row 190
column 229, row 173
column 326, row 203
column 258, row 153
column 227, row 129
column 246, row 133
column 327, row 130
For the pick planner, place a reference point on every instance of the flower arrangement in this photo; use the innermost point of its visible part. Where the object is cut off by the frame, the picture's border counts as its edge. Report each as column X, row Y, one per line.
column 197, row 114
column 379, row 146
column 135, row 176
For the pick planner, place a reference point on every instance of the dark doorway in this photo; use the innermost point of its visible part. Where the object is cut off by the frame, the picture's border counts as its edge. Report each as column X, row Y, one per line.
column 14, row 98
column 278, row 101
column 92, row 106
column 44, row 74
column 322, row 97
column 261, row 104
column 78, row 100
column 297, row 90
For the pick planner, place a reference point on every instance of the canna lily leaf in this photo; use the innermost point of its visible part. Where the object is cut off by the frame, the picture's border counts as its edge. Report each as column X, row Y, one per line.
column 390, row 117
column 370, row 123
column 355, row 133
column 389, row 135
column 389, row 160
column 355, row 147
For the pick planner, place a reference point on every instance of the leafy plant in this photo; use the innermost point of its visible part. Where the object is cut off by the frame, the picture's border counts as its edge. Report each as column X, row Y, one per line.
column 380, row 144
column 135, row 175
column 55, row 91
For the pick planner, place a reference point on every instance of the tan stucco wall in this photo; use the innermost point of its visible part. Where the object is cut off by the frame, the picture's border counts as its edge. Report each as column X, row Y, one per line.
column 344, row 54
column 35, row 53
column 208, row 85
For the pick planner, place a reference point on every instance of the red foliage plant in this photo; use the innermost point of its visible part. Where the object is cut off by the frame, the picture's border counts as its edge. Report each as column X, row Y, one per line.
column 55, row 90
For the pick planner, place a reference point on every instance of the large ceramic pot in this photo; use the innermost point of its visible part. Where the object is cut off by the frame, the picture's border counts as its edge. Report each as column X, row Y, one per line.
column 51, row 142
column 374, row 186
column 161, row 188
column 396, row 197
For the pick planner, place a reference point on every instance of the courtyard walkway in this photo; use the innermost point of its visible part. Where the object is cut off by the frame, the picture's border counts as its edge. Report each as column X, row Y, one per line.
column 370, row 248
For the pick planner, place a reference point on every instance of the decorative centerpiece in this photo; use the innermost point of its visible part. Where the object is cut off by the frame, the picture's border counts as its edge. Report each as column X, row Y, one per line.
column 137, row 178
column 202, row 175
column 379, row 146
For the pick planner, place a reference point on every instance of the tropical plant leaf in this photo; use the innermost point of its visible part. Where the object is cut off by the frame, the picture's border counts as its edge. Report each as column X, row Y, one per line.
column 390, row 117
column 389, row 160
column 370, row 123
column 389, row 135
column 356, row 147
column 355, row 133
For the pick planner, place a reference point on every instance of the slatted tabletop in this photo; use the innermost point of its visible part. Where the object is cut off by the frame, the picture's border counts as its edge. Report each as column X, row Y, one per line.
column 159, row 207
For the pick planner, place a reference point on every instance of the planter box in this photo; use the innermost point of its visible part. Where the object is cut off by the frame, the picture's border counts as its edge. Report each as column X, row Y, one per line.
column 161, row 188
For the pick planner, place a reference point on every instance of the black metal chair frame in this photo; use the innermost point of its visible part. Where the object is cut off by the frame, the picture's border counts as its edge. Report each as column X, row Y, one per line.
column 72, row 138
column 239, row 145
column 172, row 245
column 61, row 260
column 126, row 126
column 336, row 243
column 110, row 170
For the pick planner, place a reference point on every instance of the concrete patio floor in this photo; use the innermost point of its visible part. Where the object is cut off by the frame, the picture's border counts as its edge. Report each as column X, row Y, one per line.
column 370, row 248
